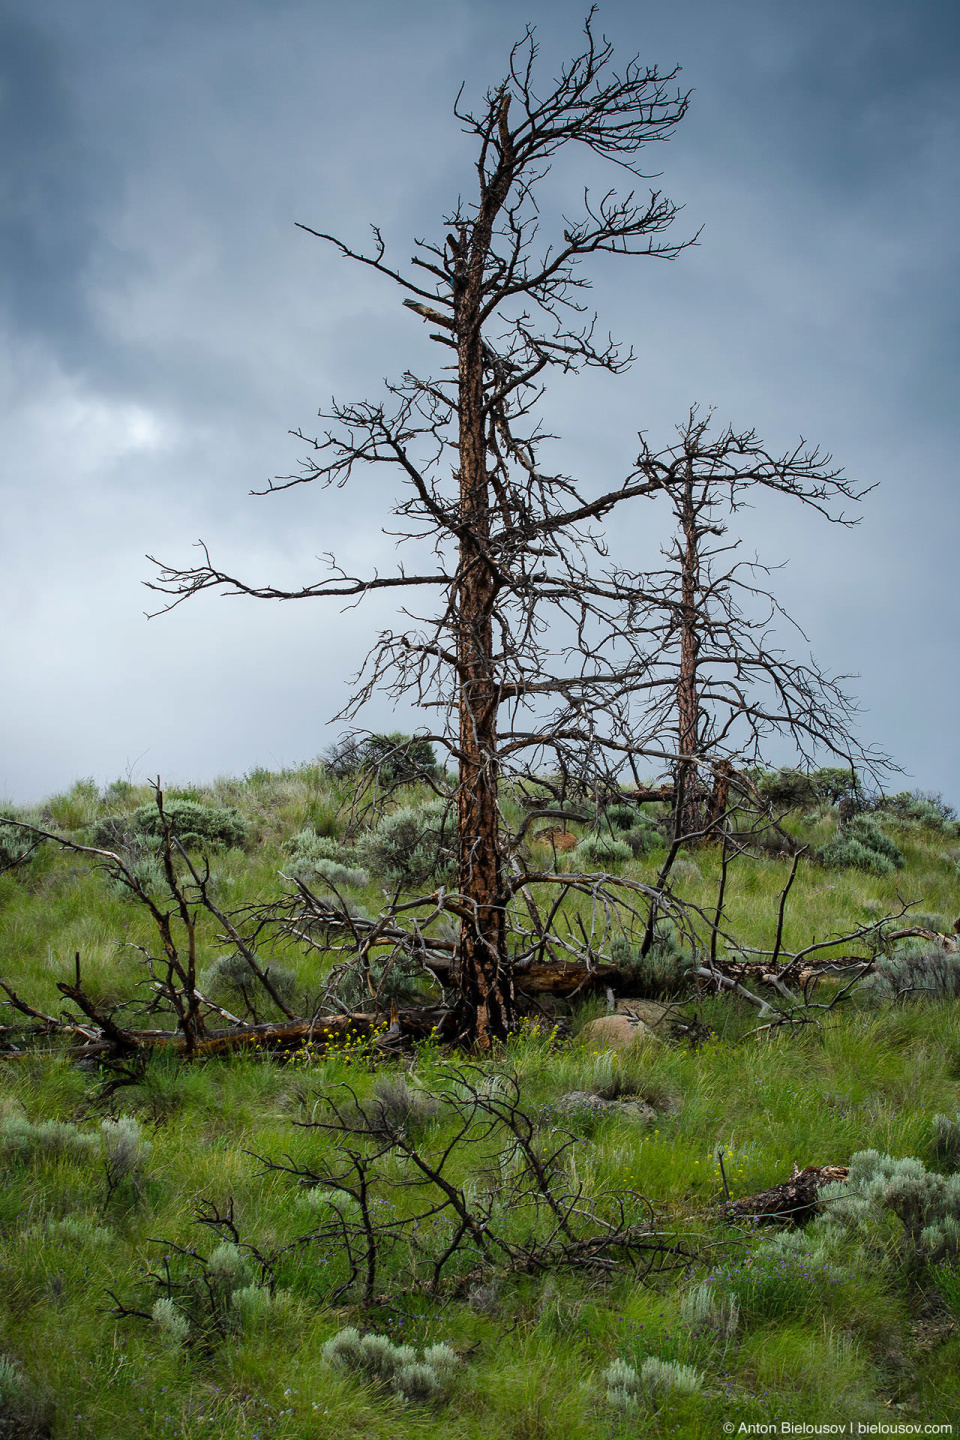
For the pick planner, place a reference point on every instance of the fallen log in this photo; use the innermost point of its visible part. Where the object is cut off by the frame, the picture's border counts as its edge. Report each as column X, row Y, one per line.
column 567, row 980
column 326, row 1031
column 563, row 979
column 793, row 1202
column 320, row 1033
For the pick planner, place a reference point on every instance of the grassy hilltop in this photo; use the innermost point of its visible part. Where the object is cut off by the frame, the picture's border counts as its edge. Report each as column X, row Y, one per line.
column 114, row 1182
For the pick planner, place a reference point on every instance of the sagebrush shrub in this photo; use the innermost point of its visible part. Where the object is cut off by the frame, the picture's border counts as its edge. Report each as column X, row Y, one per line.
column 230, row 980
column 413, row 844
column 915, row 971
column 622, row 1385
column 684, row 872
column 643, row 837
column 926, row 1204
column 171, row 1321
column 11, row 1381
column 662, row 972
column 307, row 845
column 14, row 844
column 655, row 1381
column 23, row 1414
column 398, row 1105
column 862, row 845
column 398, row 1367
column 602, row 850
column 125, row 1152
column 341, row 877
column 396, row 981
column 320, row 857
column 215, row 1300
column 195, row 826
column 705, row 1307
column 661, row 1378
column 916, row 809
column 21, row 1140
column 946, row 1139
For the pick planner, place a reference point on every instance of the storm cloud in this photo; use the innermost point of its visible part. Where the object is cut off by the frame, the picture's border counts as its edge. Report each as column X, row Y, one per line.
column 166, row 325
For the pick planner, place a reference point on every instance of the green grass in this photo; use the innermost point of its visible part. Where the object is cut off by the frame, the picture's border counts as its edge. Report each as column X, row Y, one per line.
column 847, row 1333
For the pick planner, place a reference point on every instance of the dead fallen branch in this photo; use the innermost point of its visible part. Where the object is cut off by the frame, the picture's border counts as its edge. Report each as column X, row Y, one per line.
column 793, row 1202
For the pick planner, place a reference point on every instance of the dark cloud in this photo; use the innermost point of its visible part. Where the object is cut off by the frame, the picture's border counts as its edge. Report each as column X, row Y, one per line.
column 50, row 187
column 167, row 325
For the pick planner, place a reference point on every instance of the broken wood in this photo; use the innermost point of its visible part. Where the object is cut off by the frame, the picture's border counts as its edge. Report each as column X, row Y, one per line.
column 318, row 1034
column 793, row 1202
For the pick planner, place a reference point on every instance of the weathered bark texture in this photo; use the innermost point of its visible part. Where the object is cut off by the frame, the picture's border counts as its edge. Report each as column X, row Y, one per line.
column 793, row 1202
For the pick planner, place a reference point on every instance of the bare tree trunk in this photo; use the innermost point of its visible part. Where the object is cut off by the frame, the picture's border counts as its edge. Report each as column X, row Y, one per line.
column 485, row 987
column 720, row 795
column 688, row 804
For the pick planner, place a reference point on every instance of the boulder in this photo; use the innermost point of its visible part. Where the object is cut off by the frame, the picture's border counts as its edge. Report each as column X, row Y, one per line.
column 650, row 1012
column 583, row 1105
column 615, row 1032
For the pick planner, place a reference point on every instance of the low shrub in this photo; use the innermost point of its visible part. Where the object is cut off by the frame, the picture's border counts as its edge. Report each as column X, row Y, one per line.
column 643, row 836
column 684, row 872
column 791, row 1274
column 706, row 1308
column 395, row 759
column 322, row 858
column 125, row 1153
column 413, row 845
column 926, row 1204
column 946, row 1139
column 15, row 845
column 917, row 809
column 602, row 850
column 397, row 1105
column 662, row 972
column 915, row 971
column 23, row 1414
column 21, row 1140
column 230, row 981
column 307, row 845
column 341, row 877
column 195, row 826
column 216, row 1298
column 378, row 1361
column 655, row 1381
column 862, row 845
column 395, row 981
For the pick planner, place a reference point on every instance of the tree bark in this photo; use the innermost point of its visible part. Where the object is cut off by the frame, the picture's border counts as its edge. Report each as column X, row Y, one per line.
column 484, row 973
column 688, row 803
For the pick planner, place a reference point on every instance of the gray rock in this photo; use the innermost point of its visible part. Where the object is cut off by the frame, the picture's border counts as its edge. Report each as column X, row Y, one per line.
column 582, row 1102
column 584, row 1105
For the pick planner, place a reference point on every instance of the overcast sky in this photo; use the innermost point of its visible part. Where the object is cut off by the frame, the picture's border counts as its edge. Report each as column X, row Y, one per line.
column 166, row 325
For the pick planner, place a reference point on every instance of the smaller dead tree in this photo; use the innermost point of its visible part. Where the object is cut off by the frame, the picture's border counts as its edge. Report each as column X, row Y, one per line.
column 718, row 682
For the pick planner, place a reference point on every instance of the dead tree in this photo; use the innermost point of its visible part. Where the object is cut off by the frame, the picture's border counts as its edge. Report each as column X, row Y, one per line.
column 513, row 550
column 718, row 684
